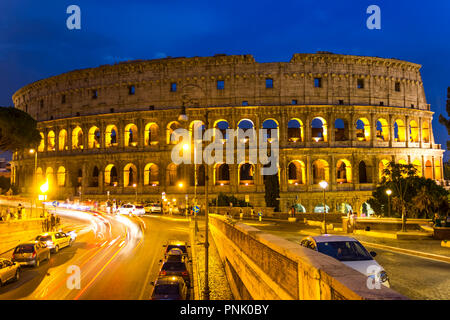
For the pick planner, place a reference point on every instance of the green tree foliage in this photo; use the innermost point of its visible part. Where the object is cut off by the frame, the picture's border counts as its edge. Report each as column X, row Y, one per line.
column 17, row 130
column 224, row 201
column 419, row 197
column 272, row 191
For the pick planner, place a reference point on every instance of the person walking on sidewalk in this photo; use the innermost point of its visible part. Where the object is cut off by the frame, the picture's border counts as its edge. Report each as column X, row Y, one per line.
column 52, row 222
column 436, row 221
column 19, row 211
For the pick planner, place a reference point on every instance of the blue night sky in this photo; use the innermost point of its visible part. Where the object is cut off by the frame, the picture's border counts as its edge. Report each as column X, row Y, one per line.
column 35, row 43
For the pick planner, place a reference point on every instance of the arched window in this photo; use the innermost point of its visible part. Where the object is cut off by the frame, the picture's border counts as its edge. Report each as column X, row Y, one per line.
column 362, row 172
column 246, row 172
column 62, row 143
column 129, row 175
column 382, row 130
column 295, row 130
column 111, row 177
column 222, row 125
column 222, row 174
column 383, row 164
column 340, row 130
column 428, row 170
column 270, row 124
column 77, row 138
column 343, row 171
column 51, row 141
column 151, row 134
column 171, row 127
column 49, row 176
column 94, row 138
column 151, row 175
column 425, row 131
column 41, row 143
column 95, row 174
column 362, row 129
column 131, row 135
column 413, row 131
column 197, row 129
column 172, row 174
column 320, row 171
column 296, row 172
column 399, row 131
column 319, row 129
column 111, row 136
column 418, row 165
column 61, row 176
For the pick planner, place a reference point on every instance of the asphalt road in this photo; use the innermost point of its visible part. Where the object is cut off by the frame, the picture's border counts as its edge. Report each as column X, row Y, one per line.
column 413, row 276
column 117, row 257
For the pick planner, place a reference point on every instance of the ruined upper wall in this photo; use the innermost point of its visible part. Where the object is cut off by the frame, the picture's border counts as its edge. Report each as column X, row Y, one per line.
column 71, row 94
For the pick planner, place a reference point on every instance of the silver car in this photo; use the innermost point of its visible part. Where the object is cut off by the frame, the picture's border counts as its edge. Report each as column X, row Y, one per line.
column 31, row 253
column 9, row 270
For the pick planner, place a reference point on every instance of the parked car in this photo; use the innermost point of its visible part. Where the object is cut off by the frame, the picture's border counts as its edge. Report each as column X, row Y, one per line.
column 171, row 268
column 169, row 288
column 153, row 208
column 9, row 270
column 176, row 244
column 72, row 235
column 31, row 253
column 139, row 210
column 55, row 240
column 350, row 252
column 126, row 209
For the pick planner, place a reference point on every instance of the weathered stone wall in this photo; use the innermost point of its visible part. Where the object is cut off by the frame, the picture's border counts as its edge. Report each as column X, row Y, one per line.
column 15, row 232
column 264, row 267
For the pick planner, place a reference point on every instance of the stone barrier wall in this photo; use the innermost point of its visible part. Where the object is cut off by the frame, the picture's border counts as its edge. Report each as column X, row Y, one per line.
column 265, row 267
column 13, row 232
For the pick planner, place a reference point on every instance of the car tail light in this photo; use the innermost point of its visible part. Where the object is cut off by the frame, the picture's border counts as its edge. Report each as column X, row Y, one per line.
column 162, row 273
column 184, row 273
column 34, row 254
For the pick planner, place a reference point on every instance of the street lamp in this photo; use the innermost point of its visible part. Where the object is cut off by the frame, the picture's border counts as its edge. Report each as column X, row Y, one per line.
column 389, row 192
column 44, row 189
column 35, row 180
column 135, row 189
column 323, row 184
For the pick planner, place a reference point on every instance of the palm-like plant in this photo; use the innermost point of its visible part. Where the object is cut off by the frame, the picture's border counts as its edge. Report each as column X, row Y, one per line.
column 424, row 202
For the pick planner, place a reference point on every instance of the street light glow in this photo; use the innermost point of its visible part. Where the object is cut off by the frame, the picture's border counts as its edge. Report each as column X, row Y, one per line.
column 185, row 147
column 44, row 187
column 323, row 184
column 388, row 192
column 180, row 184
column 32, row 151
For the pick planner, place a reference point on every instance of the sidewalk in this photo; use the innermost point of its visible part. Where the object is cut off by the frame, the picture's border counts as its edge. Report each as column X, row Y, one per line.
column 218, row 283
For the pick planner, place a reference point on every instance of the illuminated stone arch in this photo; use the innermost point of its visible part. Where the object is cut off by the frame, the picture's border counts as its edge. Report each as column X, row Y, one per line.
column 49, row 176
column 131, row 135
column 151, row 174
column 130, row 175
column 77, row 138
column 428, row 170
column 39, row 176
column 221, row 174
column 246, row 173
column 437, row 169
column 111, row 175
column 51, row 141
column 399, row 131
column 363, row 129
column 413, row 131
column 61, row 176
column 151, row 134
column 197, row 129
column 111, row 136
column 296, row 130
column 94, row 178
column 94, row 138
column 341, row 132
column 269, row 124
column 319, row 131
column 171, row 127
column 320, row 171
column 172, row 174
column 382, row 130
column 62, row 140
column 425, row 131
column 296, row 172
column 222, row 125
column 343, row 171
column 41, row 146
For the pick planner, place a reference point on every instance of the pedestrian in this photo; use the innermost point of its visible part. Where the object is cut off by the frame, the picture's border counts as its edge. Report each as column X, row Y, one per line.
column 58, row 220
column 241, row 213
column 19, row 211
column 52, row 222
column 437, row 221
column 252, row 212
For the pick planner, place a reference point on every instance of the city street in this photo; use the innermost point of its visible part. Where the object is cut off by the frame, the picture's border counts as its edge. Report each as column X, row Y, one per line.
column 115, row 263
column 412, row 276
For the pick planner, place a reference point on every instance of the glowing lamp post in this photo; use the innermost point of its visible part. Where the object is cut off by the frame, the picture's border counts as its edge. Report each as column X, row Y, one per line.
column 324, row 185
column 33, row 151
column 389, row 192
column 135, row 189
column 42, row 197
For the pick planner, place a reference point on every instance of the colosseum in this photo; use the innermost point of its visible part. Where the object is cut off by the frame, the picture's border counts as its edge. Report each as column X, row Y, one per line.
column 340, row 118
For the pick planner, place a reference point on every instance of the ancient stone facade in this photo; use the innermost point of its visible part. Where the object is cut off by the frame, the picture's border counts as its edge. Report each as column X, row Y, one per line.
column 339, row 118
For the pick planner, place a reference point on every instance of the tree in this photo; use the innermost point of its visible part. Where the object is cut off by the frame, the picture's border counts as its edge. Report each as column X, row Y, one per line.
column 17, row 130
column 272, row 191
column 420, row 197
